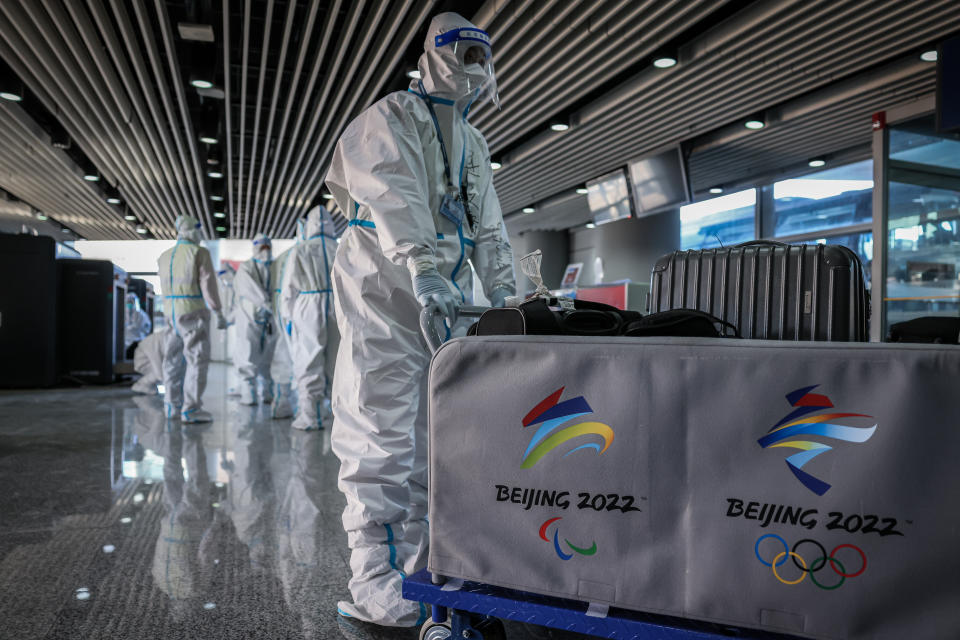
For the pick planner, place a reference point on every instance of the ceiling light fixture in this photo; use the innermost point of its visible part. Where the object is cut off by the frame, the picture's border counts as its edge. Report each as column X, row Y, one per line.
column 219, row 214
column 414, row 73
column 216, row 198
column 591, row 225
column 113, row 200
column 496, row 166
column 559, row 126
column 754, row 124
column 583, row 191
column 41, row 217
column 817, row 162
column 664, row 62
column 528, row 209
column 200, row 83
column 214, row 174
column 929, row 56
column 91, row 176
column 11, row 96
column 327, row 196
column 716, row 189
column 221, row 229
column 208, row 139
column 142, row 230
column 130, row 217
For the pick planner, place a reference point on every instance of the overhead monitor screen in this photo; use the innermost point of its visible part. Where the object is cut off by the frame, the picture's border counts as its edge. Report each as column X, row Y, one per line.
column 659, row 182
column 948, row 86
column 609, row 197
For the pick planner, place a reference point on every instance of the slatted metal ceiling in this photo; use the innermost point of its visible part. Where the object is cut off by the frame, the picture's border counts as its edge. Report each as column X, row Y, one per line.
column 290, row 75
column 763, row 56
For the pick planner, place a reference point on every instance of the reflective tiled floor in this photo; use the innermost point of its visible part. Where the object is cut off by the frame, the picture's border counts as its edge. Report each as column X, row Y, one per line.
column 115, row 523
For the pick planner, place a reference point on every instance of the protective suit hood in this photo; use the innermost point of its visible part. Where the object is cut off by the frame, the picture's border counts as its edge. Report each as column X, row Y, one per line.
column 443, row 69
column 188, row 228
column 259, row 242
column 319, row 222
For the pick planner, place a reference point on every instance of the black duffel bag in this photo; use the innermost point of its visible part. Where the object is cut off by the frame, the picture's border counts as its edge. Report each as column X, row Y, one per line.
column 928, row 329
column 552, row 316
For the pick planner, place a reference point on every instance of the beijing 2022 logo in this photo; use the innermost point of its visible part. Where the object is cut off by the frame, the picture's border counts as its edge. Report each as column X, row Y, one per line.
column 791, row 433
column 551, row 414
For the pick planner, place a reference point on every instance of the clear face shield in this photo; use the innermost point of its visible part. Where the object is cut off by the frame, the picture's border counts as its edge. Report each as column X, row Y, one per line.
column 472, row 50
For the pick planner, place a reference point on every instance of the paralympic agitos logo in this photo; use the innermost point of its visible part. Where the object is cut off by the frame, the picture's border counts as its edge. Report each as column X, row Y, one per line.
column 791, row 432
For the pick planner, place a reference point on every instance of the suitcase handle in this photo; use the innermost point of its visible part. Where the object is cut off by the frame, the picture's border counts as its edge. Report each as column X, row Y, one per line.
column 429, row 326
column 763, row 243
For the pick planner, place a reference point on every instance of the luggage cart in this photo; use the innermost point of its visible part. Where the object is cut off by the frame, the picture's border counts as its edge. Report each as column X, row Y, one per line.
column 474, row 611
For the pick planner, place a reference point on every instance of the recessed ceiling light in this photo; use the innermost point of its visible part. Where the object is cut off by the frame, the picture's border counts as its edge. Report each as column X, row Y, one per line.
column 496, row 166
column 91, row 177
column 590, row 225
column 754, row 124
column 582, row 191
column 926, row 56
column 219, row 214
column 664, row 62
column 130, row 217
column 65, row 230
column 202, row 84
column 817, row 162
column 414, row 73
column 41, row 217
column 208, row 139
column 716, row 190
column 528, row 209
column 141, row 230
column 12, row 97
column 216, row 198
column 195, row 32
column 214, row 174
column 559, row 126
column 327, row 196
column 113, row 200
column 221, row 229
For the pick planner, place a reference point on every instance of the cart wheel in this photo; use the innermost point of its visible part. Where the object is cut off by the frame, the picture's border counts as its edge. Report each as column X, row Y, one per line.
column 492, row 629
column 435, row 630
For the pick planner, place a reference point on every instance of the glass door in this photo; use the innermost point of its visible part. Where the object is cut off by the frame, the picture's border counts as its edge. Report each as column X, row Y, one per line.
column 922, row 222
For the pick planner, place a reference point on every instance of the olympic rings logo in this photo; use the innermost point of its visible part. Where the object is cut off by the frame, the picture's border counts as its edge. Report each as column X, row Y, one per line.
column 821, row 561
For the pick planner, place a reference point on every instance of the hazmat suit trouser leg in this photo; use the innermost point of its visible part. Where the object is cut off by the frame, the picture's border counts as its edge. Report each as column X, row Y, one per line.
column 148, row 361
column 281, row 370
column 255, row 345
column 379, row 435
column 186, row 358
column 309, row 361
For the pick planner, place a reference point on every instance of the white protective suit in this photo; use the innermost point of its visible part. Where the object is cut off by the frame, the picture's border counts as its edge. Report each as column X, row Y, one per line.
column 256, row 334
column 281, row 370
column 387, row 172
column 148, row 362
column 228, row 297
column 307, row 300
column 137, row 321
column 187, row 280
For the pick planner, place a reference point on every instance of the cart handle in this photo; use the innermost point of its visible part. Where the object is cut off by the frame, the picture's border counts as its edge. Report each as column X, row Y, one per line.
column 429, row 326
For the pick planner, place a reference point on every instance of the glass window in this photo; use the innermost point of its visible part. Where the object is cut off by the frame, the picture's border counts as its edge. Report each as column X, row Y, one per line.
column 828, row 199
column 860, row 243
column 719, row 221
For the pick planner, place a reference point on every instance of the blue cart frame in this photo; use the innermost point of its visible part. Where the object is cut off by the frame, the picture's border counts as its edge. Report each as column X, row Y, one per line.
column 466, row 607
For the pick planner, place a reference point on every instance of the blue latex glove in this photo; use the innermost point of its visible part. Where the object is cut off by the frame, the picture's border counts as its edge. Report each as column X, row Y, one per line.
column 498, row 298
column 289, row 328
column 431, row 290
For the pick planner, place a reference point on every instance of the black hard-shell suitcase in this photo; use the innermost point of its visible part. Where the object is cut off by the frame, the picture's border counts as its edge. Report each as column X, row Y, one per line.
column 769, row 290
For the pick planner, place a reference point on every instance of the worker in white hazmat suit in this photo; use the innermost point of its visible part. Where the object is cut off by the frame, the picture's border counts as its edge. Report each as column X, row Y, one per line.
column 148, row 362
column 228, row 297
column 307, row 299
column 137, row 322
column 415, row 178
column 281, row 370
column 189, row 285
column 256, row 333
